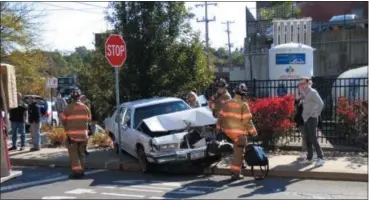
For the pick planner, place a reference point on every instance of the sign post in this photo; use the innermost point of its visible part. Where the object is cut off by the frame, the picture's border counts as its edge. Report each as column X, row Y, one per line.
column 52, row 83
column 116, row 54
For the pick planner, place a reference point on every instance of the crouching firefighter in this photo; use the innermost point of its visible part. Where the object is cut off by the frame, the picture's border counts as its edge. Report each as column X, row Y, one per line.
column 219, row 98
column 235, row 122
column 76, row 117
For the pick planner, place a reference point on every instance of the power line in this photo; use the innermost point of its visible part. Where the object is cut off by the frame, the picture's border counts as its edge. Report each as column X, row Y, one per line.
column 90, row 4
column 229, row 41
column 75, row 9
column 206, row 20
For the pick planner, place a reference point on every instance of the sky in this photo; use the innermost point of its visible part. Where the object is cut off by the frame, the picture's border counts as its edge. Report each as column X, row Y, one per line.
column 67, row 25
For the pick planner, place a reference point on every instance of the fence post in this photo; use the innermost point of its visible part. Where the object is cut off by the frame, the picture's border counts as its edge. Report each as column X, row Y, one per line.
column 254, row 86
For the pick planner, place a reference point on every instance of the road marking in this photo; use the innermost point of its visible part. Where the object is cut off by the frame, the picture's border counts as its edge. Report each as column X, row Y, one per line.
column 122, row 195
column 161, row 198
column 130, row 181
column 170, row 184
column 108, row 186
column 39, row 182
column 203, row 187
column 58, row 197
column 187, row 191
column 148, row 187
column 141, row 190
column 144, row 182
column 81, row 191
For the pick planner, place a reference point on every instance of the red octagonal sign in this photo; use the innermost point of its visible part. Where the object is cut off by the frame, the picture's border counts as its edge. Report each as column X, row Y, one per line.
column 115, row 50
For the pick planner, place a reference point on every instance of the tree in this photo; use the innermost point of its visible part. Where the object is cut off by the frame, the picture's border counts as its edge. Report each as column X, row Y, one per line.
column 163, row 51
column 31, row 71
column 19, row 27
column 279, row 9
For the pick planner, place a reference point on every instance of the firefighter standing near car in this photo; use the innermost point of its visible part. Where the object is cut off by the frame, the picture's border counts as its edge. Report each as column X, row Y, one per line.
column 219, row 98
column 235, row 122
column 76, row 117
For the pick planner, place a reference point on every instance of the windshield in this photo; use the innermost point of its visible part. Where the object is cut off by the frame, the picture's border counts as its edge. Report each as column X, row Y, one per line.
column 342, row 17
column 158, row 109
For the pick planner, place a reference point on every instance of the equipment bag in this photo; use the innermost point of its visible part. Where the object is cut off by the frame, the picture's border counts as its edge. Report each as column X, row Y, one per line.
column 255, row 156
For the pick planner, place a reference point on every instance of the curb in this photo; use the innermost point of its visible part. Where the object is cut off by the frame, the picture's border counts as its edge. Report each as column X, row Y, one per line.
column 337, row 176
column 115, row 164
column 109, row 165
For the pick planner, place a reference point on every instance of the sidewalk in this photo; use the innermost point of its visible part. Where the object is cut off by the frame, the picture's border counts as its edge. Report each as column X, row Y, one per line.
column 58, row 157
column 335, row 168
column 352, row 168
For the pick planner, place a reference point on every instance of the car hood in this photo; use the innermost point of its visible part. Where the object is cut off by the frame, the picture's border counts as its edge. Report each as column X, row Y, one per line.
column 196, row 117
column 169, row 139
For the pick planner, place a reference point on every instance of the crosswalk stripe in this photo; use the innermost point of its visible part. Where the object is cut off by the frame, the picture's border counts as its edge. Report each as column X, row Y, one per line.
column 148, row 187
column 122, row 195
column 161, row 198
column 141, row 190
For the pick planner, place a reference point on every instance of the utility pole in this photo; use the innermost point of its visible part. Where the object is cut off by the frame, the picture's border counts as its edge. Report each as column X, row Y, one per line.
column 206, row 20
column 229, row 41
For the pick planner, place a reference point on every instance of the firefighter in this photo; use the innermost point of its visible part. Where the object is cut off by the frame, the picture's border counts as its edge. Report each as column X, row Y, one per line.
column 219, row 98
column 235, row 122
column 76, row 117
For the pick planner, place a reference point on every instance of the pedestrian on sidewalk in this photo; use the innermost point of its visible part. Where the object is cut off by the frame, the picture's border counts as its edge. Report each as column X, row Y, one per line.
column 192, row 99
column 60, row 104
column 18, row 118
column 300, row 121
column 312, row 107
column 220, row 97
column 34, row 118
column 235, row 122
column 76, row 117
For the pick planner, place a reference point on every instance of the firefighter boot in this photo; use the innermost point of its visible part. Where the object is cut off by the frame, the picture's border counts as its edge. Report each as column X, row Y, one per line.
column 236, row 176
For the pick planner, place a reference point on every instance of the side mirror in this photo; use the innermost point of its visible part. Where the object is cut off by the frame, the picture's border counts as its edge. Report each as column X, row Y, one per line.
column 124, row 127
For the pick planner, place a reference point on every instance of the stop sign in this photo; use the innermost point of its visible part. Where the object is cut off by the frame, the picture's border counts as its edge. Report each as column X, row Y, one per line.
column 115, row 50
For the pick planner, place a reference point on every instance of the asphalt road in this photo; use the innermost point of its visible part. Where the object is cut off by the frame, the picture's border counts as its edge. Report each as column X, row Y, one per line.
column 53, row 183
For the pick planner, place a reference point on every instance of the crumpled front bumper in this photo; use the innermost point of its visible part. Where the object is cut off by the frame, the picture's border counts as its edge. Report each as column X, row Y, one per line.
column 180, row 155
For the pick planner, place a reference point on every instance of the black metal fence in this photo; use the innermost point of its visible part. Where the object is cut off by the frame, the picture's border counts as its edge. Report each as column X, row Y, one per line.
column 335, row 130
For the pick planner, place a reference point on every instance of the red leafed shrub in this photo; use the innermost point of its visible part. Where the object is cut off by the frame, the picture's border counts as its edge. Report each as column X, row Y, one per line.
column 273, row 117
column 353, row 118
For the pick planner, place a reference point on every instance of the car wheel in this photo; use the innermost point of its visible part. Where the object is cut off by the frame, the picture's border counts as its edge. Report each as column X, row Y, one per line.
column 145, row 165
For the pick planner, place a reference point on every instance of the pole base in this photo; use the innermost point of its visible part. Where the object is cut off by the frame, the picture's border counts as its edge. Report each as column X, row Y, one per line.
column 13, row 174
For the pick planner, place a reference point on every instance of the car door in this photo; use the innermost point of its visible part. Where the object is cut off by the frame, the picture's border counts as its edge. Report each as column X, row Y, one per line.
column 118, row 124
column 128, row 133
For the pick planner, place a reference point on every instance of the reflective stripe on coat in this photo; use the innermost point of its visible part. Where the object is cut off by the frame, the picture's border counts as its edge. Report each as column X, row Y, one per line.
column 235, row 119
column 76, row 117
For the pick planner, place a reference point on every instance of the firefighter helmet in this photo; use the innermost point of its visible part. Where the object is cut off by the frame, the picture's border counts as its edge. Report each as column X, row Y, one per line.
column 221, row 83
column 241, row 89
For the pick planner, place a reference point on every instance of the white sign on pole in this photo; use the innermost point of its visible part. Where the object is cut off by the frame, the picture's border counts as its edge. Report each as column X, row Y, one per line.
column 52, row 83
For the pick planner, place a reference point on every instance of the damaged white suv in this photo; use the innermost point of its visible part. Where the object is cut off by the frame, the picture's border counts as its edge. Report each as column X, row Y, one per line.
column 162, row 130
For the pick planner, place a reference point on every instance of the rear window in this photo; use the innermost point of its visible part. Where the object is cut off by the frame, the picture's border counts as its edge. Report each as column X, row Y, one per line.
column 158, row 109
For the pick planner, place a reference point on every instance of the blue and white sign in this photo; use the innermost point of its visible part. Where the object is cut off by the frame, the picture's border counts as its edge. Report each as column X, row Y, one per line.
column 288, row 59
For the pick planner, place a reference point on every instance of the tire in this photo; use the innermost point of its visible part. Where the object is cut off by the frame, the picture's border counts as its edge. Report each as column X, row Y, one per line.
column 146, row 167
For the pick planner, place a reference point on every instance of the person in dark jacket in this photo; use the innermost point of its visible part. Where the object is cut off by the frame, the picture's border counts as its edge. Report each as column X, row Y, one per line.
column 34, row 118
column 18, row 119
column 300, row 121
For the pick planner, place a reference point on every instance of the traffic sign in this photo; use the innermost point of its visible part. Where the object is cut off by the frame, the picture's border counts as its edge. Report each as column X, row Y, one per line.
column 115, row 50
column 52, row 82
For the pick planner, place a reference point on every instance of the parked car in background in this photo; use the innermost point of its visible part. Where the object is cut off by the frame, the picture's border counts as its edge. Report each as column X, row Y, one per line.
column 50, row 117
column 344, row 21
column 162, row 130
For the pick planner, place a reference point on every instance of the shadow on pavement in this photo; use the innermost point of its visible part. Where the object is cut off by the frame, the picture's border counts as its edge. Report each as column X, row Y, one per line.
column 34, row 177
column 266, row 186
